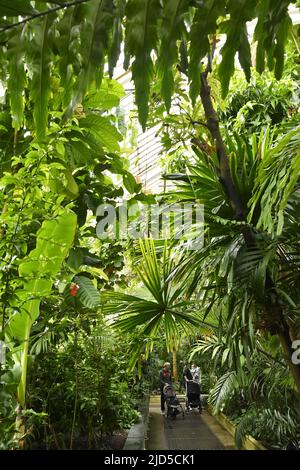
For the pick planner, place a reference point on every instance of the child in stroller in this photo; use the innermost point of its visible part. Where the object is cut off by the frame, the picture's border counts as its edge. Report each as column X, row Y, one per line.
column 193, row 395
column 174, row 407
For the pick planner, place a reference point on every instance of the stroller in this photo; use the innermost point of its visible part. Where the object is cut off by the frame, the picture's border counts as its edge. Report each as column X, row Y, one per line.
column 193, row 399
column 174, row 407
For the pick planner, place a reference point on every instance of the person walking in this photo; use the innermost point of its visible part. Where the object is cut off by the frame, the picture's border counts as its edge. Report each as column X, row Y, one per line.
column 196, row 373
column 164, row 378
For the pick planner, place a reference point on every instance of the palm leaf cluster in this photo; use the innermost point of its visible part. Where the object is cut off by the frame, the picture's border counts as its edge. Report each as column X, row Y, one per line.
column 162, row 308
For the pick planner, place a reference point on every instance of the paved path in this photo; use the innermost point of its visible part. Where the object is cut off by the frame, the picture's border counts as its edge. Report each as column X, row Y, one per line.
column 194, row 432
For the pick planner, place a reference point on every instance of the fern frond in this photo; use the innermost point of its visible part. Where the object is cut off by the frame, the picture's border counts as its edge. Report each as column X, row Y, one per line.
column 140, row 40
column 87, row 293
column 223, row 390
column 171, row 30
column 236, row 41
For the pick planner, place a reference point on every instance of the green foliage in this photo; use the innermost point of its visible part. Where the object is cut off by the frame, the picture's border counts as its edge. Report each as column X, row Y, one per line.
column 276, row 181
column 39, row 59
column 19, row 7
column 174, row 28
column 40, row 181
column 16, row 87
column 240, row 12
column 38, row 270
column 271, row 34
column 276, row 428
column 88, row 34
column 223, row 388
column 87, row 294
column 141, row 38
column 93, row 368
column 264, row 101
column 95, row 33
column 204, row 24
column 162, row 307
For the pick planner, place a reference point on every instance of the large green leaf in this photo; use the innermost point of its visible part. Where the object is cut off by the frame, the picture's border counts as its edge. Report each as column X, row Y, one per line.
column 106, row 97
column 38, row 270
column 117, row 36
column 100, row 127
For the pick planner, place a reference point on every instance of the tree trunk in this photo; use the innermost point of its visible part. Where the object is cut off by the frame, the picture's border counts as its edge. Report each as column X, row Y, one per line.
column 175, row 372
column 277, row 322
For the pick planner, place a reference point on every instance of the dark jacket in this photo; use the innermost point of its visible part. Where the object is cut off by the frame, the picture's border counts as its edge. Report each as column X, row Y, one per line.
column 187, row 375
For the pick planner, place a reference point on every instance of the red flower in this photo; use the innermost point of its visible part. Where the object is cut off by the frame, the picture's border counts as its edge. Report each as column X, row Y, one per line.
column 74, row 289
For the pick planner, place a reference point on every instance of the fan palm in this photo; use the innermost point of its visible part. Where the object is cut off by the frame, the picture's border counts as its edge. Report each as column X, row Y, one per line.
column 163, row 306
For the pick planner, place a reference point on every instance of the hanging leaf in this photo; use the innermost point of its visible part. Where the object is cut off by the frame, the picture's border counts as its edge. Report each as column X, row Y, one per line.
column 171, row 30
column 204, row 24
column 236, row 40
column 40, row 57
column 244, row 51
column 95, row 35
column 271, row 33
column 68, row 44
column 117, row 36
column 140, row 40
column 281, row 38
column 15, row 54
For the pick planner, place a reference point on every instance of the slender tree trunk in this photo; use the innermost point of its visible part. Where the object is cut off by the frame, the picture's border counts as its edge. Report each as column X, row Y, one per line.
column 175, row 372
column 76, row 389
column 275, row 314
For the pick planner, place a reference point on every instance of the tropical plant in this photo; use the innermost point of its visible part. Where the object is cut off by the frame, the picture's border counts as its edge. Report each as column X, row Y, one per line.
column 82, row 385
column 37, row 270
column 162, row 305
column 264, row 101
column 81, row 35
column 232, row 272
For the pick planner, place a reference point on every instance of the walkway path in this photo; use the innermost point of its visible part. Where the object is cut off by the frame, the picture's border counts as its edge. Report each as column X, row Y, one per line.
column 194, row 432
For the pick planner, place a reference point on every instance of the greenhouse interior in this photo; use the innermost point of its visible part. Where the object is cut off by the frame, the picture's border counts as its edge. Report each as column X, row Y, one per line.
column 150, row 227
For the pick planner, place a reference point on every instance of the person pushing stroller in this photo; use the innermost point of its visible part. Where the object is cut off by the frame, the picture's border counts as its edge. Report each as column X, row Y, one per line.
column 192, row 379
